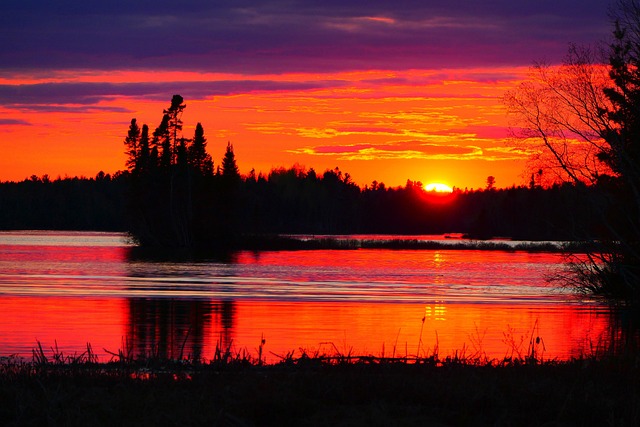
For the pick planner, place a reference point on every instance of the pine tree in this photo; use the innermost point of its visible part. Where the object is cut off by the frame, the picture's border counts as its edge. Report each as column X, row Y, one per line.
column 182, row 158
column 132, row 141
column 175, row 199
column 229, row 166
column 174, row 123
column 162, row 139
column 199, row 160
column 143, row 150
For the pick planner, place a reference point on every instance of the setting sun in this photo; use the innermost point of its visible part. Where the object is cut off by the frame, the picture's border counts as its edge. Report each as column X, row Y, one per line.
column 438, row 188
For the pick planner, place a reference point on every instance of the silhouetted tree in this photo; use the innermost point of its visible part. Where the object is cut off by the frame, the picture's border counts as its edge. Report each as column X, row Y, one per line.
column 175, row 200
column 229, row 180
column 588, row 124
column 199, row 159
column 182, row 159
column 162, row 141
column 144, row 154
column 174, row 121
column 229, row 167
column 491, row 182
column 132, row 142
column 559, row 116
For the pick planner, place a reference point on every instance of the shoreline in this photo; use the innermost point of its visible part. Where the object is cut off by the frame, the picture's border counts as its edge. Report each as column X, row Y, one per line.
column 238, row 390
column 275, row 242
column 339, row 243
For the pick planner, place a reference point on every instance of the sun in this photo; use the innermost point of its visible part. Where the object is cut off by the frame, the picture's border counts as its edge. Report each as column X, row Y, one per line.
column 438, row 187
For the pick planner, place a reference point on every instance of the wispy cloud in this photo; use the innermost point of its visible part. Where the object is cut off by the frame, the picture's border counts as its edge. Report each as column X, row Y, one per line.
column 410, row 150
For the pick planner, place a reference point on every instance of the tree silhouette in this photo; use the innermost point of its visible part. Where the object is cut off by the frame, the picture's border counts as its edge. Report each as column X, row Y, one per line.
column 491, row 182
column 199, row 159
column 132, row 142
column 229, row 167
column 175, row 199
column 588, row 125
column 174, row 121
column 144, row 155
column 162, row 141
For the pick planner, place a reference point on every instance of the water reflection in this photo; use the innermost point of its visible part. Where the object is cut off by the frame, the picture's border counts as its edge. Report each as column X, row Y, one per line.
column 164, row 326
column 177, row 328
column 64, row 288
column 623, row 332
column 195, row 328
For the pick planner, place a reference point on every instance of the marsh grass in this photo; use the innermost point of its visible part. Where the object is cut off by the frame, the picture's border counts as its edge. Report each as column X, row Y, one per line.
column 339, row 243
column 324, row 386
column 58, row 357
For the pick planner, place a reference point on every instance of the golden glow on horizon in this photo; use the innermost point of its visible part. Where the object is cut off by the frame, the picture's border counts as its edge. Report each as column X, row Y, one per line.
column 378, row 125
column 438, row 187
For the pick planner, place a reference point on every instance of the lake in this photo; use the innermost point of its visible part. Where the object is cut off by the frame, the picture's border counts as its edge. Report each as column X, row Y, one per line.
column 67, row 289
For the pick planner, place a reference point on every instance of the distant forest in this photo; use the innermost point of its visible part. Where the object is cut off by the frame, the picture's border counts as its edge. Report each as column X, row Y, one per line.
column 296, row 200
column 173, row 195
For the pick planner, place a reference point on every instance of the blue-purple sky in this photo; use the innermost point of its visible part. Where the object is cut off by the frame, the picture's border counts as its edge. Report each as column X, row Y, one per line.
column 284, row 36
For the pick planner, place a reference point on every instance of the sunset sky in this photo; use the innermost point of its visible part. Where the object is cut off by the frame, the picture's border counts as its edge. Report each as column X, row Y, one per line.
column 386, row 91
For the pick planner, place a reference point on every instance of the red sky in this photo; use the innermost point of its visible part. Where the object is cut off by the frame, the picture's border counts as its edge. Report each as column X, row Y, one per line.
column 386, row 94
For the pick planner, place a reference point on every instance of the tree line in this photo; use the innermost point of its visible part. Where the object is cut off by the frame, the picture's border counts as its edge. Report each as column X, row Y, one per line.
column 172, row 195
column 294, row 200
column 177, row 198
column 78, row 203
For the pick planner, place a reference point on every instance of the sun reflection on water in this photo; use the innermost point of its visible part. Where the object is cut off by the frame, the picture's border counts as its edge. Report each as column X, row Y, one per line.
column 438, row 312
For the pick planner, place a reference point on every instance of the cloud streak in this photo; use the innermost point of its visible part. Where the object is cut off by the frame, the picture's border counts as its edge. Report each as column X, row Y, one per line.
column 81, row 93
column 410, row 150
column 14, row 122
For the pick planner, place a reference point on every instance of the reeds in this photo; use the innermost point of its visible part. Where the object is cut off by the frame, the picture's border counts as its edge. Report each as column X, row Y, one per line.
column 330, row 385
column 521, row 349
column 59, row 358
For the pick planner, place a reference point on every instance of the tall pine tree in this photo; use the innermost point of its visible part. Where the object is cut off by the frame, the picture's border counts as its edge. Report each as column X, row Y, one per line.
column 229, row 167
column 199, row 160
column 132, row 142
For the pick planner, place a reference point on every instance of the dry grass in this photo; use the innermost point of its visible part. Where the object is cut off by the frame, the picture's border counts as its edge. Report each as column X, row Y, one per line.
column 237, row 388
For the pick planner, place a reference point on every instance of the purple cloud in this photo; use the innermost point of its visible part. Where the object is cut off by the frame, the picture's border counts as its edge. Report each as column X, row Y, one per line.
column 44, row 95
column 14, row 122
column 266, row 37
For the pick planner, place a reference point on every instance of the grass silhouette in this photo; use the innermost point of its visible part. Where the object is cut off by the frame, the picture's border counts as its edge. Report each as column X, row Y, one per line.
column 328, row 387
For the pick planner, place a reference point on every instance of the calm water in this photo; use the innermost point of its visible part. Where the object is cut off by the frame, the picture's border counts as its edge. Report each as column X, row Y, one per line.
column 77, row 288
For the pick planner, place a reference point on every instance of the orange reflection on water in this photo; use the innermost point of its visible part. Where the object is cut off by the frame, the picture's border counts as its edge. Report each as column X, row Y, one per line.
column 75, row 288
column 69, row 322
column 194, row 327
column 494, row 331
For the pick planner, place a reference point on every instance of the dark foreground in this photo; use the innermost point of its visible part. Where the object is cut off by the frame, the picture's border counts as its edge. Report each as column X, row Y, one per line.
column 307, row 391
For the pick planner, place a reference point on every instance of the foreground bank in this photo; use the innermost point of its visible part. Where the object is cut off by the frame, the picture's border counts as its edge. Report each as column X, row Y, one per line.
column 237, row 390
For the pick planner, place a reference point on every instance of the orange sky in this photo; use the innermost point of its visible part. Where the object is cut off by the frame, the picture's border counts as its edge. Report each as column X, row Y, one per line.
column 446, row 126
column 385, row 91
